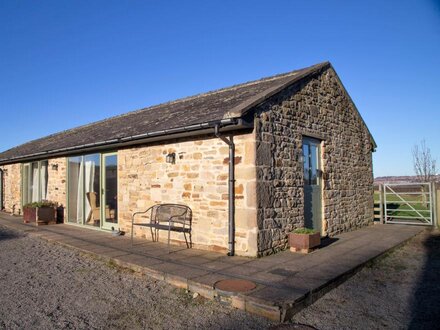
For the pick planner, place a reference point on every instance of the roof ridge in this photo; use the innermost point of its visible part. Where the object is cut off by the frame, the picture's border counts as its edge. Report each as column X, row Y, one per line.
column 212, row 92
column 215, row 91
column 186, row 98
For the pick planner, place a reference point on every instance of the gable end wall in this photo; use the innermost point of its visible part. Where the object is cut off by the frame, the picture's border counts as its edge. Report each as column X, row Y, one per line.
column 317, row 107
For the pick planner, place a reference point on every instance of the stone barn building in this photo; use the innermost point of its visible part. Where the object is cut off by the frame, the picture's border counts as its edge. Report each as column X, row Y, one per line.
column 252, row 161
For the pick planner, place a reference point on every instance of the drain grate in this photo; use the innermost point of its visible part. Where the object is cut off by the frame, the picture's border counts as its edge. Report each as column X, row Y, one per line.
column 235, row 285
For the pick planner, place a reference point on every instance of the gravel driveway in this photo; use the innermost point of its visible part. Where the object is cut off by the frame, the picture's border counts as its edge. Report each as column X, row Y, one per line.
column 47, row 286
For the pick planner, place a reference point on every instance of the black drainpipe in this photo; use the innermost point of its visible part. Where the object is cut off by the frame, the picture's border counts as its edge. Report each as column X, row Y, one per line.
column 231, row 186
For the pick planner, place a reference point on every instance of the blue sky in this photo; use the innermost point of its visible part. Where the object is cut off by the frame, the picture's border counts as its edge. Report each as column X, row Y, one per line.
column 67, row 63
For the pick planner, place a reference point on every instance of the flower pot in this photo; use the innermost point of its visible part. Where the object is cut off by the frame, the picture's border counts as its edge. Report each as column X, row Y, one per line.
column 304, row 243
column 40, row 215
column 29, row 214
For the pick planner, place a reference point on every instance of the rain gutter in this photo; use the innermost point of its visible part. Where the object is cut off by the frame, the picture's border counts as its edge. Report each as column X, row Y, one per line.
column 230, row 124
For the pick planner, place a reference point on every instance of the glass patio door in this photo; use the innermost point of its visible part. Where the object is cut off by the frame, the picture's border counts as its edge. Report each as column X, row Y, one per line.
column 83, row 182
column 109, row 191
column 92, row 190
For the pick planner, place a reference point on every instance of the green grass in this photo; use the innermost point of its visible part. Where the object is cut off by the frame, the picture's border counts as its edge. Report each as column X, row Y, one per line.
column 396, row 207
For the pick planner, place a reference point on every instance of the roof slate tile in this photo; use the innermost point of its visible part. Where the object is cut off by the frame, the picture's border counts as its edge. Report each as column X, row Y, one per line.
column 216, row 105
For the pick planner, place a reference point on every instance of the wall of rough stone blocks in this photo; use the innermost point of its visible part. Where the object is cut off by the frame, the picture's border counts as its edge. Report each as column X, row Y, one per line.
column 316, row 107
column 199, row 179
column 56, row 181
column 12, row 188
column 56, row 184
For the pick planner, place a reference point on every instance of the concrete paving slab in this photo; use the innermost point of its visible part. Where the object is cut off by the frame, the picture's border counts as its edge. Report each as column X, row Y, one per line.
column 173, row 257
column 196, row 260
column 187, row 272
column 198, row 253
column 212, row 256
column 268, row 277
column 278, row 295
column 241, row 270
column 114, row 253
column 217, row 265
column 234, row 260
column 99, row 249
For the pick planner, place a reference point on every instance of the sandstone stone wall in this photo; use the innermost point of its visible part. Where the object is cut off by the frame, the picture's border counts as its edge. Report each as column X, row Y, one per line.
column 199, row 179
column 316, row 107
column 56, row 185
column 56, row 181
column 12, row 188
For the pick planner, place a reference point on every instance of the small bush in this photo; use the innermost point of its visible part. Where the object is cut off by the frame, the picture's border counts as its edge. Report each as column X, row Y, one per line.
column 307, row 231
column 43, row 203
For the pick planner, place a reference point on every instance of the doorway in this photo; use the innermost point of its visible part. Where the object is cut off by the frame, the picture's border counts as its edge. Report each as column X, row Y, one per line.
column 312, row 184
column 92, row 190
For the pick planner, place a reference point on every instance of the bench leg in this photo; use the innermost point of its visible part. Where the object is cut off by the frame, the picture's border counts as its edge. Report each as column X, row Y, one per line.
column 169, row 233
column 152, row 237
column 186, row 241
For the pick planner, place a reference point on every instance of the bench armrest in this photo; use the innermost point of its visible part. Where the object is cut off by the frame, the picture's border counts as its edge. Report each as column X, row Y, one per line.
column 142, row 212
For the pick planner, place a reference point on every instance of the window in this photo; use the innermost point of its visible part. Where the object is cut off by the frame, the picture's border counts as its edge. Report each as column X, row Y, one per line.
column 34, row 183
column 311, row 161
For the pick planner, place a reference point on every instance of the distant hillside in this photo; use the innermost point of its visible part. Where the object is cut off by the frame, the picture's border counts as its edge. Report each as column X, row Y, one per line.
column 398, row 179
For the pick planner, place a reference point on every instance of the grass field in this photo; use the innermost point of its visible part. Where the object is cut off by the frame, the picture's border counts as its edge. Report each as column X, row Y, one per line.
column 404, row 205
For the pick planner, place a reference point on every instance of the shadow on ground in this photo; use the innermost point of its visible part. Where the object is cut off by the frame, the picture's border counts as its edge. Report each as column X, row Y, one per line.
column 326, row 241
column 6, row 234
column 425, row 306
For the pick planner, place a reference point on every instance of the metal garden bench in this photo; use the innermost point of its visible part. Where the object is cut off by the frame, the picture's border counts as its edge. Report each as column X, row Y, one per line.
column 170, row 217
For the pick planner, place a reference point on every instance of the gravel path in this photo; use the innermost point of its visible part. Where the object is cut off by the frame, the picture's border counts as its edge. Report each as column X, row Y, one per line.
column 47, row 286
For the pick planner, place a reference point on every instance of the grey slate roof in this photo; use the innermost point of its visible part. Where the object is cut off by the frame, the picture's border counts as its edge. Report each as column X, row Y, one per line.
column 231, row 102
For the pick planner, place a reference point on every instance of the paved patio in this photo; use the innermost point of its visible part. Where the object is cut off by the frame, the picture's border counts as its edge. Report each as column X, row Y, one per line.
column 286, row 282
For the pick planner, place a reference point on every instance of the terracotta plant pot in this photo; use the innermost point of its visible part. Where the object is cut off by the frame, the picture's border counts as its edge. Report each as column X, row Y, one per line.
column 304, row 243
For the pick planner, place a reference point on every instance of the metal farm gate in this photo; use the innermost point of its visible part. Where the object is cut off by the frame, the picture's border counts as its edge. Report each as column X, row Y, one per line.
column 407, row 203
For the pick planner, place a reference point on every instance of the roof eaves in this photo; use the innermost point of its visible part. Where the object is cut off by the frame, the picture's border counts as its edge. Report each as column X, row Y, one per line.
column 189, row 130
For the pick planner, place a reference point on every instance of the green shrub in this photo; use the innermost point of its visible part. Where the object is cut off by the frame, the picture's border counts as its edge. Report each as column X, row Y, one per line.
column 43, row 203
column 304, row 231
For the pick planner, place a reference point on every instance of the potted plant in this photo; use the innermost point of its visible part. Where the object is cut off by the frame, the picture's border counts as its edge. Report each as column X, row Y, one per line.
column 44, row 212
column 304, row 240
